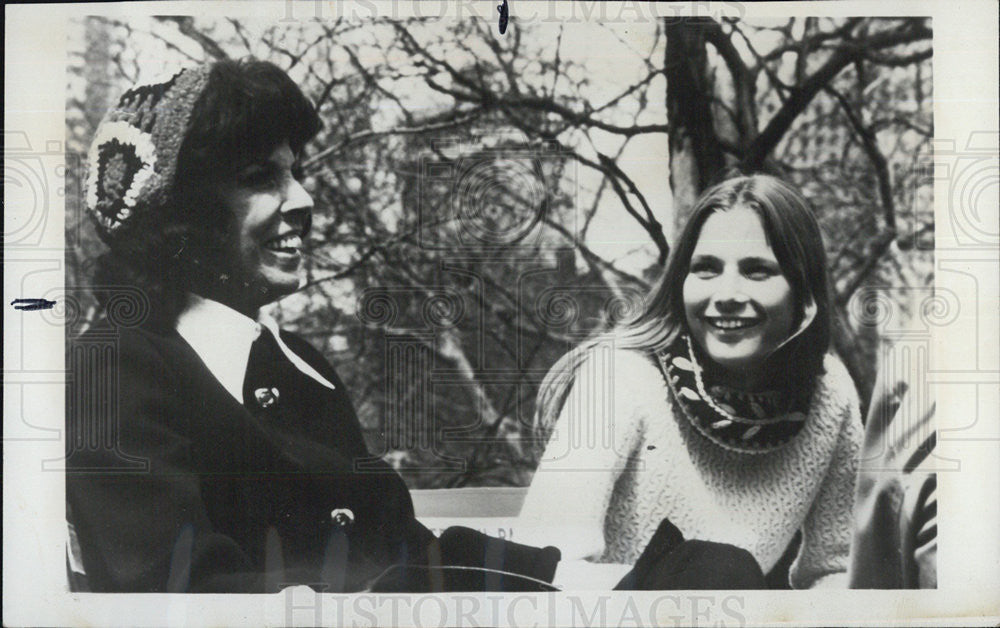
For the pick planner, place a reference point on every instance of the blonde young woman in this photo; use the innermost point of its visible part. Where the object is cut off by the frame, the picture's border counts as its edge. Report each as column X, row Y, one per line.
column 719, row 414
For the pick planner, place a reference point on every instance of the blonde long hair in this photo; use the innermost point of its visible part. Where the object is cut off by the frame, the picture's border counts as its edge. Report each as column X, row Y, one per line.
column 794, row 235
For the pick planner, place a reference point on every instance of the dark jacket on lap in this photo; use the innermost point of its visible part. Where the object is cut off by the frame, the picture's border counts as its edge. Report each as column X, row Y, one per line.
column 172, row 485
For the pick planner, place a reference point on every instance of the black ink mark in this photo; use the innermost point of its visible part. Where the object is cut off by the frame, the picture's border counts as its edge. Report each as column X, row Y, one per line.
column 504, row 16
column 28, row 305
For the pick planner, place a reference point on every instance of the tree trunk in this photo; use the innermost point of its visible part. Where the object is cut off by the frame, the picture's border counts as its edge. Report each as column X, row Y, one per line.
column 695, row 154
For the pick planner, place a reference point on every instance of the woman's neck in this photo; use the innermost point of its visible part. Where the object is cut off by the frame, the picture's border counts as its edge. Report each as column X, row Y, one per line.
column 231, row 301
column 756, row 379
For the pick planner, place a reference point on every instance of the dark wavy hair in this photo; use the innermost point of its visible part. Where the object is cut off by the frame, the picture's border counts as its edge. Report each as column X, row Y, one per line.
column 794, row 235
column 247, row 109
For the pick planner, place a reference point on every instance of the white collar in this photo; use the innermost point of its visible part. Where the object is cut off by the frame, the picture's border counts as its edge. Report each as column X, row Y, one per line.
column 222, row 337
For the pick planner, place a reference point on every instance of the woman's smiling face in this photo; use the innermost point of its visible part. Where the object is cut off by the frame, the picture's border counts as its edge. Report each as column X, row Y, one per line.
column 737, row 302
column 272, row 212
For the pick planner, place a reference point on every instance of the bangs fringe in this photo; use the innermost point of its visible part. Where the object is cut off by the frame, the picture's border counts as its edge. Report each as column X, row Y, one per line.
column 246, row 110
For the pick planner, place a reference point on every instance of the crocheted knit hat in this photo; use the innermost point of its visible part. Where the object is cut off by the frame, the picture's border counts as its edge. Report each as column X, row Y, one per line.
column 133, row 157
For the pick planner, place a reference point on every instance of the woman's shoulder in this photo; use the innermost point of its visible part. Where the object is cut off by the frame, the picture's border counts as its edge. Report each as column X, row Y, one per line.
column 139, row 357
column 137, row 343
column 637, row 362
column 142, row 367
column 632, row 374
column 836, row 395
column 625, row 366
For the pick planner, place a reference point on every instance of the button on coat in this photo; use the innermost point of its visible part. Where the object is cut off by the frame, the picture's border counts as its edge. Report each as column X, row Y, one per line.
column 266, row 397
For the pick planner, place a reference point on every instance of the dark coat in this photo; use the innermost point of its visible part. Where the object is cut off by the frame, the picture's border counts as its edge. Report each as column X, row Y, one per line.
column 173, row 485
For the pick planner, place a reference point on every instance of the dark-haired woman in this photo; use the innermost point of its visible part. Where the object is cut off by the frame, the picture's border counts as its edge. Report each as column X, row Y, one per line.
column 720, row 409
column 208, row 450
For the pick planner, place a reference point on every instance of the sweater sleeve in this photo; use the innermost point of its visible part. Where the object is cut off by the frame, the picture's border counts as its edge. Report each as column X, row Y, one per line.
column 594, row 436
column 822, row 560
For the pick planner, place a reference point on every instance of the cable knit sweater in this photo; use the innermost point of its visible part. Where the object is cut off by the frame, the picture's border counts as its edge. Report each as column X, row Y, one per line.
column 623, row 457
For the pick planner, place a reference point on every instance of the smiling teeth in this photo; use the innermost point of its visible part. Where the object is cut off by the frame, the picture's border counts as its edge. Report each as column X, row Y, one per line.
column 287, row 242
column 730, row 323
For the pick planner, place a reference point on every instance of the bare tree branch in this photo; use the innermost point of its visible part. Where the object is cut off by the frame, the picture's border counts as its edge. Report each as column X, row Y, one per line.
column 899, row 61
column 594, row 259
column 879, row 249
column 815, row 40
column 869, row 144
column 462, row 119
column 185, row 24
column 481, row 94
column 241, row 33
column 803, row 94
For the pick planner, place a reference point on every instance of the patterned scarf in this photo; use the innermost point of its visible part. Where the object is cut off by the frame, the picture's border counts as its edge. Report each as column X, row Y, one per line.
column 747, row 422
